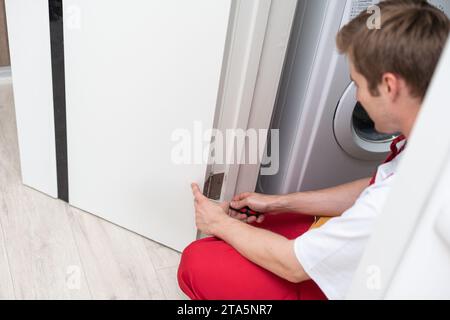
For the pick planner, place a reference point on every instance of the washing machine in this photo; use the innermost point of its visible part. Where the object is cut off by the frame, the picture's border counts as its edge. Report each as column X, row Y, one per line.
column 326, row 137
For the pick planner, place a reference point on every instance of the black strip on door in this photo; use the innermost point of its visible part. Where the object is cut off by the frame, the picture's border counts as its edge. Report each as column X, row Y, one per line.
column 59, row 95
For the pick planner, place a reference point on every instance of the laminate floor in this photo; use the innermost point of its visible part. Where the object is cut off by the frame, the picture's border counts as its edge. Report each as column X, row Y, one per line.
column 50, row 250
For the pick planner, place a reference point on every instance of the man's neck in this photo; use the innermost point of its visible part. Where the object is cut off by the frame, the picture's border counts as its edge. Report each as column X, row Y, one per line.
column 409, row 119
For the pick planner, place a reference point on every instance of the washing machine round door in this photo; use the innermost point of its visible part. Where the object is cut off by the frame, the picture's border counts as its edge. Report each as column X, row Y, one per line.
column 355, row 131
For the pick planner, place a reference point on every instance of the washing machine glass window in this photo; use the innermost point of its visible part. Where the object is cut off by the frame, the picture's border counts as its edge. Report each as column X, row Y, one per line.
column 365, row 128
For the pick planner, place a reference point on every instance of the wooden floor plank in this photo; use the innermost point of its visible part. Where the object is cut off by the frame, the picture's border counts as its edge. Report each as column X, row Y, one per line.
column 168, row 279
column 115, row 260
column 161, row 256
column 6, row 285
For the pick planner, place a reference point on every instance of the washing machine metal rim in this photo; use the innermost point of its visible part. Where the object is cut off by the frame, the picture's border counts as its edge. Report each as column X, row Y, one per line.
column 345, row 133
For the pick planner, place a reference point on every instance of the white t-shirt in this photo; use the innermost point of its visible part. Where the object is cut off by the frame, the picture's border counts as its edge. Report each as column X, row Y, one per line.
column 331, row 254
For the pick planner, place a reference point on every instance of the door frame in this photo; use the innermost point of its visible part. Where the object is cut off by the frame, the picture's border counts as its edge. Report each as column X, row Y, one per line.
column 258, row 38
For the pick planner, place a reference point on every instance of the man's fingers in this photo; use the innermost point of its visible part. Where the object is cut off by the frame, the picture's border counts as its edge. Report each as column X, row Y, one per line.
column 241, row 196
column 238, row 204
column 260, row 219
column 244, row 195
column 240, row 201
column 242, row 216
column 236, row 215
column 251, row 219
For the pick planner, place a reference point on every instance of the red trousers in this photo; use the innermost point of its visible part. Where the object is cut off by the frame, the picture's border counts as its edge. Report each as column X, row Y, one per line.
column 210, row 269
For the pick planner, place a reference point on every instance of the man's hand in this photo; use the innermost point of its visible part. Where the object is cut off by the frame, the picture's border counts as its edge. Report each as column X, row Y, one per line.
column 258, row 202
column 267, row 249
column 208, row 215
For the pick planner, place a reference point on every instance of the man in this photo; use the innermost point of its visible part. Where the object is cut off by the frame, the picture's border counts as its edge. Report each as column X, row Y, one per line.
column 276, row 255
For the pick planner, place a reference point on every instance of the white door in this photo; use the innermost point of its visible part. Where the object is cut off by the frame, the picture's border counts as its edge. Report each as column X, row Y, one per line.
column 142, row 79
column 136, row 72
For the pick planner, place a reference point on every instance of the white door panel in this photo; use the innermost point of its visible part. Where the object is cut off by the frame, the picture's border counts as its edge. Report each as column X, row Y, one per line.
column 135, row 72
column 29, row 45
column 443, row 226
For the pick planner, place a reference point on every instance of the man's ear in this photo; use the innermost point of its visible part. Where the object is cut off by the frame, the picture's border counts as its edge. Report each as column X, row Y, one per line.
column 390, row 85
